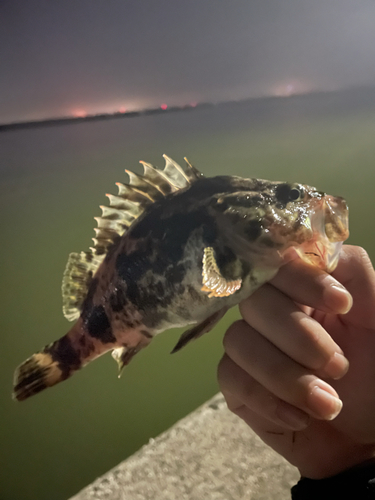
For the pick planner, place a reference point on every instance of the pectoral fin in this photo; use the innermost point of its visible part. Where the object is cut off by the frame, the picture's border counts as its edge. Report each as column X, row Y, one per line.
column 213, row 281
column 198, row 330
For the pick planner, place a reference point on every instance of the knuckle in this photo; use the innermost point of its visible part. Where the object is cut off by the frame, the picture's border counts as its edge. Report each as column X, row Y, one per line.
column 243, row 307
column 253, row 303
column 250, row 393
column 358, row 255
column 233, row 404
column 364, row 258
column 231, row 334
column 317, row 345
column 222, row 368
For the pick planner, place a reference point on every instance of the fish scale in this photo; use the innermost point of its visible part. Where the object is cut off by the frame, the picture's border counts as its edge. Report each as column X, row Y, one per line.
column 175, row 248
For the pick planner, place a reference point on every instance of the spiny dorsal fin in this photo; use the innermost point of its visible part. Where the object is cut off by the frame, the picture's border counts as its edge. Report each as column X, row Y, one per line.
column 213, row 281
column 76, row 281
column 175, row 173
column 135, row 197
column 124, row 208
column 158, row 179
column 192, row 173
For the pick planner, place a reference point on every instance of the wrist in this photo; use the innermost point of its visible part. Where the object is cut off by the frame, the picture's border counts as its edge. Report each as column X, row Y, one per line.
column 330, row 454
column 357, row 483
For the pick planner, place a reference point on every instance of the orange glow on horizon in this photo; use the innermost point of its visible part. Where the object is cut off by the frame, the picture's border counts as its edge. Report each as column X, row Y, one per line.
column 79, row 113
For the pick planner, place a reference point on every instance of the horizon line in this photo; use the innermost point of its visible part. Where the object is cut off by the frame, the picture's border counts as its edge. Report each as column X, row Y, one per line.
column 68, row 119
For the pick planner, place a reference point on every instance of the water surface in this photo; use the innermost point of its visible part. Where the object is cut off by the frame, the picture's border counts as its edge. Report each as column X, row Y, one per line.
column 52, row 181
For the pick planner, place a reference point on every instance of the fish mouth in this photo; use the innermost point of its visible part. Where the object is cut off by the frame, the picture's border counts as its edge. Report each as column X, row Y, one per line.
column 329, row 227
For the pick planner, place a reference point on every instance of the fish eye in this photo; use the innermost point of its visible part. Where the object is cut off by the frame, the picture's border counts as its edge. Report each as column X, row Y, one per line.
column 296, row 194
column 286, row 193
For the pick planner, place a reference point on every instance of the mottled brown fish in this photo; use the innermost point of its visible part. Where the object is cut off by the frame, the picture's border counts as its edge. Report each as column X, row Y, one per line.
column 175, row 248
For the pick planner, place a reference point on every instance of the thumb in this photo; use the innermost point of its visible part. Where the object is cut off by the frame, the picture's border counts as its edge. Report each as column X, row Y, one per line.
column 356, row 273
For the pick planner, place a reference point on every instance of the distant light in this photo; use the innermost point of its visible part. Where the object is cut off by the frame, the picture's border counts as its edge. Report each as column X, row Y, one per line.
column 122, row 109
column 294, row 87
column 193, row 104
column 290, row 89
column 79, row 113
column 164, row 106
column 285, row 90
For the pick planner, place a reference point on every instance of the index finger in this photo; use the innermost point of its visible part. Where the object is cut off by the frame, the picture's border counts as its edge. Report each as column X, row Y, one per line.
column 311, row 286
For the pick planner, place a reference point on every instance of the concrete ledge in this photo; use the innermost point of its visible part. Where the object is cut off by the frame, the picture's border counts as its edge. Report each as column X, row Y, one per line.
column 210, row 454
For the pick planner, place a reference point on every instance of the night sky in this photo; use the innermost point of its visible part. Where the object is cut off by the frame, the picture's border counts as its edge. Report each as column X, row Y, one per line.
column 66, row 57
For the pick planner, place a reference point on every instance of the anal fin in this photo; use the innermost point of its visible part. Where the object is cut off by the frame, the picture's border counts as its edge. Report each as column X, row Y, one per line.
column 123, row 355
column 200, row 329
column 213, row 281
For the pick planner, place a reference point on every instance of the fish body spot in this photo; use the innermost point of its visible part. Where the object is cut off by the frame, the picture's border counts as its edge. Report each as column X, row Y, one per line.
column 87, row 303
column 117, row 299
column 130, row 267
column 175, row 273
column 146, row 333
column 66, row 356
column 253, row 229
column 98, row 325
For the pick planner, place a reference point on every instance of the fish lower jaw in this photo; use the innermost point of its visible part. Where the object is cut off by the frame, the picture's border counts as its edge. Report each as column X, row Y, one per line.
column 322, row 254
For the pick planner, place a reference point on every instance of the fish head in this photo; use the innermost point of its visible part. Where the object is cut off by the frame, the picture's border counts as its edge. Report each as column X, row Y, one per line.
column 328, row 218
column 269, row 218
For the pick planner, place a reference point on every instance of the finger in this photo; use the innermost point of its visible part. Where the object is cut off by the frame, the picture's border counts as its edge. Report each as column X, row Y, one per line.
column 298, row 335
column 275, row 436
column 240, row 389
column 313, row 287
column 265, row 429
column 356, row 273
column 278, row 373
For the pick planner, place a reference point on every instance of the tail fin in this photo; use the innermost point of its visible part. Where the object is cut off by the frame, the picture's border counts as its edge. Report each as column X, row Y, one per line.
column 56, row 362
column 35, row 374
column 59, row 360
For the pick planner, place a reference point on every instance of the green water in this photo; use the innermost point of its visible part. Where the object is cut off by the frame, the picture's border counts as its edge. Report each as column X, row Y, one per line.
column 52, row 181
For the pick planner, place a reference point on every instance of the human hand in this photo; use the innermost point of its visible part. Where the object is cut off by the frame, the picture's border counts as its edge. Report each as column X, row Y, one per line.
column 282, row 370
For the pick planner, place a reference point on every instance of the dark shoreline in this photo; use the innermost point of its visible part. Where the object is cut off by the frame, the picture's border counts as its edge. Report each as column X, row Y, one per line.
column 364, row 95
column 97, row 117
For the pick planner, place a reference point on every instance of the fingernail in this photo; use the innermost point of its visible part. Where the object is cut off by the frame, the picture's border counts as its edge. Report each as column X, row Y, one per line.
column 324, row 401
column 340, row 301
column 294, row 418
column 337, row 366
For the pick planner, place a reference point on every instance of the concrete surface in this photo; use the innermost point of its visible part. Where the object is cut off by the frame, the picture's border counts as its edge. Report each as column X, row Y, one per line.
column 210, row 454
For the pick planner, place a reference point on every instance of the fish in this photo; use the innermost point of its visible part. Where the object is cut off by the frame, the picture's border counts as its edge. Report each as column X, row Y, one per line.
column 174, row 249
